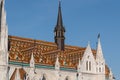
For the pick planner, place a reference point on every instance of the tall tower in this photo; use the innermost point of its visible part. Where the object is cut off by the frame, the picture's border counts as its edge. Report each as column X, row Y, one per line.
column 59, row 30
column 3, row 43
column 100, row 61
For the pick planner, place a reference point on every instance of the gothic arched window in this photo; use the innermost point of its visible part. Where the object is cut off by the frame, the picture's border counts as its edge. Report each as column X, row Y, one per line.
column 99, row 69
column 87, row 65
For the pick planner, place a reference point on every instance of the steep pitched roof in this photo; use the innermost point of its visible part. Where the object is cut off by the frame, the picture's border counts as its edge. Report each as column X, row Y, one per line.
column 45, row 53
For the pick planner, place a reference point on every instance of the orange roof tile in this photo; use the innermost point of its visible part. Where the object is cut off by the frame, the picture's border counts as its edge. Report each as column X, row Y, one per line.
column 44, row 52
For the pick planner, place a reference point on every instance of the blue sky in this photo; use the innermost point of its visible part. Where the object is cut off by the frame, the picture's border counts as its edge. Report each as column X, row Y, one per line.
column 83, row 20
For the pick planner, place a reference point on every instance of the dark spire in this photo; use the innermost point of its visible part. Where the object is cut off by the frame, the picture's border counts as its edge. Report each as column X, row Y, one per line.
column 59, row 20
column 59, row 30
column 59, row 25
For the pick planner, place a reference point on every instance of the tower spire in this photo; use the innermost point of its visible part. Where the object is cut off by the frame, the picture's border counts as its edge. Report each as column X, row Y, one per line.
column 3, row 42
column 59, row 30
column 32, row 62
column 17, row 76
column 59, row 19
column 3, row 27
column 57, row 64
column 100, row 68
column 99, row 54
column 78, row 67
column 59, row 25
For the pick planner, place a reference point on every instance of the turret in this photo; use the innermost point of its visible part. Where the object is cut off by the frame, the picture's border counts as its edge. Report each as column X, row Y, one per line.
column 57, row 64
column 100, row 62
column 3, row 28
column 32, row 62
column 57, row 68
column 3, row 43
column 79, row 75
column 31, row 72
column 78, row 67
column 99, row 54
column 17, row 75
column 59, row 30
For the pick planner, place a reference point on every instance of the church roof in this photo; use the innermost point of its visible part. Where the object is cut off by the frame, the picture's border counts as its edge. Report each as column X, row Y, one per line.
column 45, row 53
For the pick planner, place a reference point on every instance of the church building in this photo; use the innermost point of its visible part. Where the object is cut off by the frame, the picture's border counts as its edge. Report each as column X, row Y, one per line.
column 29, row 59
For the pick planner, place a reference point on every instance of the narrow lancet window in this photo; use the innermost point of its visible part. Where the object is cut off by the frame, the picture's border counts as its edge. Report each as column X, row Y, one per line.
column 87, row 65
